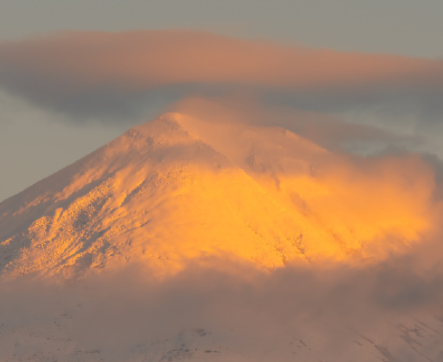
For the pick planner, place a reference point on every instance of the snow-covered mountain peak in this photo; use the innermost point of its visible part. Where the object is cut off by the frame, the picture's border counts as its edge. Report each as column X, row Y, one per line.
column 178, row 189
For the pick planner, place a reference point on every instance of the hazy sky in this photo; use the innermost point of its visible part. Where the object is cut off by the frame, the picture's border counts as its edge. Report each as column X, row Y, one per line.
column 40, row 135
column 406, row 27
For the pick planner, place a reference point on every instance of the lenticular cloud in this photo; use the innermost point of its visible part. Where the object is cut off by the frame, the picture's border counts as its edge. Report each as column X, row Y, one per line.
column 56, row 70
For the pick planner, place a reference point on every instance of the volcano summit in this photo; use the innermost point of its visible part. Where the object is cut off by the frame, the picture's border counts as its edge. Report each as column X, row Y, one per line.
column 177, row 188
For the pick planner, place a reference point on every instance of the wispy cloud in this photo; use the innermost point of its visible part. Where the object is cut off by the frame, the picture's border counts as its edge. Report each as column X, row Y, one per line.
column 334, row 312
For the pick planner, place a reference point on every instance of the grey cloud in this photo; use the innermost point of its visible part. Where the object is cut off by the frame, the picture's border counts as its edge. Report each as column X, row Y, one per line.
column 390, row 104
column 90, row 72
column 316, row 312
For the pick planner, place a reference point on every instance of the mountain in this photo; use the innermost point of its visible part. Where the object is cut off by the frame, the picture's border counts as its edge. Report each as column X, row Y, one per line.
column 177, row 189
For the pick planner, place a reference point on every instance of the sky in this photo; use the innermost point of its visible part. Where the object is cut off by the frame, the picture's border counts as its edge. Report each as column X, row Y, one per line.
column 61, row 98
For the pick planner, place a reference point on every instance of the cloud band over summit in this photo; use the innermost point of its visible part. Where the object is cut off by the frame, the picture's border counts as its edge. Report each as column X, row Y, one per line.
column 64, row 70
